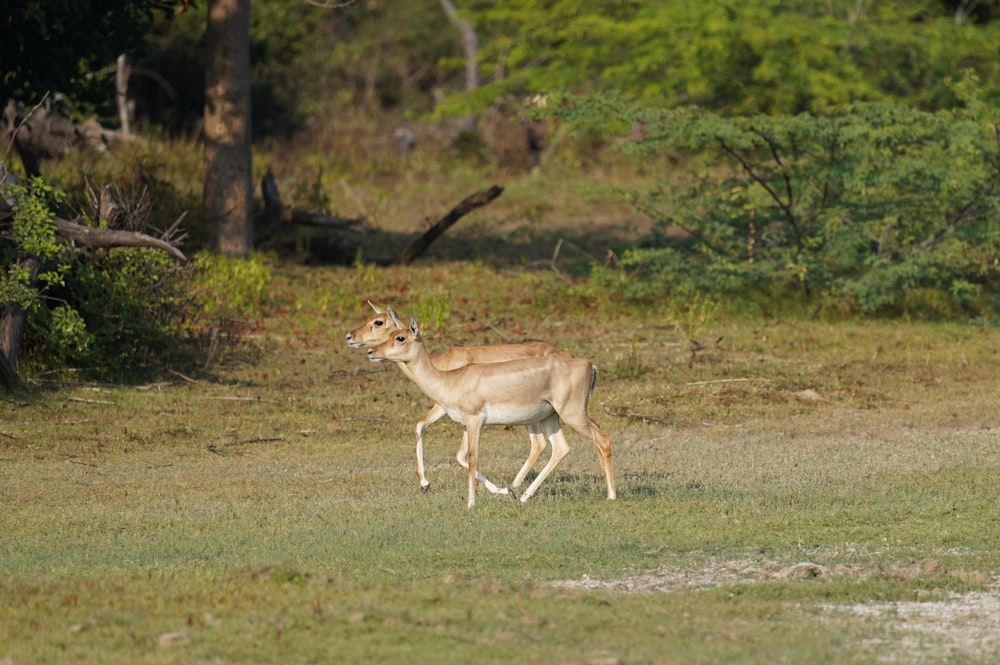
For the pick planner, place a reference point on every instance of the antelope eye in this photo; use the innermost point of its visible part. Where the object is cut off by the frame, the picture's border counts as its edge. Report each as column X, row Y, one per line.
column 400, row 338
column 378, row 322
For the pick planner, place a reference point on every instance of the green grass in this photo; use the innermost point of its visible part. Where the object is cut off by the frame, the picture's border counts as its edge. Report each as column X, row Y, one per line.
column 270, row 512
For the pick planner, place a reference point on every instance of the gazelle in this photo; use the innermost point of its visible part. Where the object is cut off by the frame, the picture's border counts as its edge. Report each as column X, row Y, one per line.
column 526, row 391
column 377, row 330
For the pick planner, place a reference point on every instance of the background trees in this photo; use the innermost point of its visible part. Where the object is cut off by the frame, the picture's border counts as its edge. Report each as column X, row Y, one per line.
column 308, row 62
column 52, row 46
column 737, row 58
column 830, row 153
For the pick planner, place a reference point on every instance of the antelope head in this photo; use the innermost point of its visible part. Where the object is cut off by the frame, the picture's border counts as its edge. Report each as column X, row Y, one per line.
column 376, row 330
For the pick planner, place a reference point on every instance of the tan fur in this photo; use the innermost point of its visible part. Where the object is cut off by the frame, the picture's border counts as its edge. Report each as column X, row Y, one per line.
column 377, row 330
column 539, row 390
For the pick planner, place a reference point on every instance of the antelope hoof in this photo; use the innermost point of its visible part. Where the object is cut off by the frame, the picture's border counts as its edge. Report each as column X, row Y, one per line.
column 425, row 488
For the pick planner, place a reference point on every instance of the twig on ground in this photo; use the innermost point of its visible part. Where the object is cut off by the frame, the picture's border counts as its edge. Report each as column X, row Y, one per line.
column 706, row 383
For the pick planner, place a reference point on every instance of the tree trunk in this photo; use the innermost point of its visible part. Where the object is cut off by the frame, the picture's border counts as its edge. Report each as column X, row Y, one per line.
column 121, row 95
column 228, row 159
column 470, row 45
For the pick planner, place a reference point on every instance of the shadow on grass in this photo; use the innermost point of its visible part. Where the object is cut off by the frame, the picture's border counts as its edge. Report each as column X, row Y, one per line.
column 570, row 249
column 642, row 485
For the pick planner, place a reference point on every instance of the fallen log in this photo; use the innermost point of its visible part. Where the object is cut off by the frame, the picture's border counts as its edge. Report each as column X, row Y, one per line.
column 43, row 132
column 277, row 214
column 468, row 204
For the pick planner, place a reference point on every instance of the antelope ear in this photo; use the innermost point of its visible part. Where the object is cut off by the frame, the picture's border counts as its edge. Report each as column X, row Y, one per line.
column 392, row 315
column 414, row 328
column 378, row 310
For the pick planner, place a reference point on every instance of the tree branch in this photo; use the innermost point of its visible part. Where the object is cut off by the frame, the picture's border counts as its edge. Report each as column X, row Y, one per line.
column 468, row 204
column 87, row 236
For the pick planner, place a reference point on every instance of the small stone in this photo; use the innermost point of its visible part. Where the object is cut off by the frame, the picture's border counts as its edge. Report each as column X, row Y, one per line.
column 808, row 395
column 803, row 571
column 167, row 640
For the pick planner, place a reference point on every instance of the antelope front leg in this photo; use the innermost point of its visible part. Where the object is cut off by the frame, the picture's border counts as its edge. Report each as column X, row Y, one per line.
column 435, row 414
column 462, row 458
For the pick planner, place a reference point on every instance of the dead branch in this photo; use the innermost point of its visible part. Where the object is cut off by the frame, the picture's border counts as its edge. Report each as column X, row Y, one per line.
column 714, row 381
column 470, row 203
column 87, row 236
column 277, row 214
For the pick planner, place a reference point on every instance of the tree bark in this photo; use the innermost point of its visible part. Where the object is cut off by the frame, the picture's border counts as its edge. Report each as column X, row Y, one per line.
column 228, row 157
column 470, row 203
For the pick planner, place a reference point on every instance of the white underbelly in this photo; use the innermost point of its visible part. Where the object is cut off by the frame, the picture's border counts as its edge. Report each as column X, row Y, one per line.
column 504, row 414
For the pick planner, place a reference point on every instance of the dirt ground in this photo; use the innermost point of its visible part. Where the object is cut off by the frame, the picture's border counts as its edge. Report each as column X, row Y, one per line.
column 961, row 626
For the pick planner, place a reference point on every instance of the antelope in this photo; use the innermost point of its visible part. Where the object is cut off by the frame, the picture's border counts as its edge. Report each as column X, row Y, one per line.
column 525, row 391
column 378, row 328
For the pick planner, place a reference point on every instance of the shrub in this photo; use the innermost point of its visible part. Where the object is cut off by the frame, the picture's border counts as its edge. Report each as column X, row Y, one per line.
column 870, row 204
column 229, row 290
column 119, row 313
column 132, row 302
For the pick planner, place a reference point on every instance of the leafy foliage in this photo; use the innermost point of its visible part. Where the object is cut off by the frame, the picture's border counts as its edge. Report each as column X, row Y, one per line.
column 51, row 45
column 758, row 56
column 308, row 62
column 132, row 302
column 867, row 206
column 228, row 288
column 29, row 241
column 115, row 313
column 761, row 56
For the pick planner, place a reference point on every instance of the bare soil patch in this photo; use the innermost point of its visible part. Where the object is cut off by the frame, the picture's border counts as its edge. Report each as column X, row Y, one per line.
column 965, row 625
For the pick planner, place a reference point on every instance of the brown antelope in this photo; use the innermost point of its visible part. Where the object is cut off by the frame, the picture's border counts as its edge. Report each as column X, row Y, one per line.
column 378, row 328
column 526, row 391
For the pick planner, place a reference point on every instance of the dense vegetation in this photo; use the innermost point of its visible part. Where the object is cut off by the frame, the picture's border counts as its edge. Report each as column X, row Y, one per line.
column 838, row 157
column 877, row 208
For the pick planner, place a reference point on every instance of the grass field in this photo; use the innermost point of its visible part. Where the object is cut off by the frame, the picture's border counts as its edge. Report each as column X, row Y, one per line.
column 791, row 491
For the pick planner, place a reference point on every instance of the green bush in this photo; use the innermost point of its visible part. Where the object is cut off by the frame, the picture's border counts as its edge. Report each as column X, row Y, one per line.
column 867, row 206
column 28, row 246
column 229, row 290
column 115, row 314
column 133, row 302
